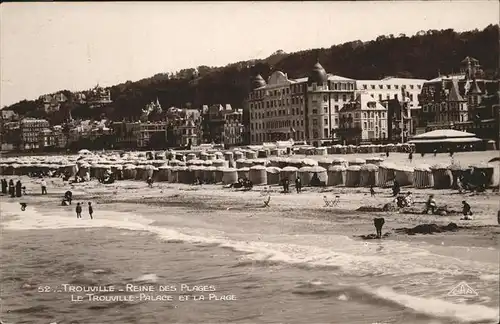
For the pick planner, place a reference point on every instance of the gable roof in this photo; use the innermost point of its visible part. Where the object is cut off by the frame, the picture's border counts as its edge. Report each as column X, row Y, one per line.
column 454, row 94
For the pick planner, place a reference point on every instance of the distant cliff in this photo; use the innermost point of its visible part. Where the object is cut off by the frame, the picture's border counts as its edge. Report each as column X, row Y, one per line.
column 419, row 56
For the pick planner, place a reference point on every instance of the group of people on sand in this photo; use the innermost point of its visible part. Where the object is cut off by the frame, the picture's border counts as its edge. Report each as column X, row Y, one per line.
column 286, row 185
column 13, row 190
column 79, row 210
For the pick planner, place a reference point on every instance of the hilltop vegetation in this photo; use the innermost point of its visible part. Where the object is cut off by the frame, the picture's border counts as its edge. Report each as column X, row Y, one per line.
column 418, row 56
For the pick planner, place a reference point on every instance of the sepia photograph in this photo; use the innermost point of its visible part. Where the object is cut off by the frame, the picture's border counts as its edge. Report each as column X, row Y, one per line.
column 250, row 162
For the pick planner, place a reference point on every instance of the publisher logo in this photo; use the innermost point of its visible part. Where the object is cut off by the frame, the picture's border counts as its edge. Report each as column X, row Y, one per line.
column 462, row 290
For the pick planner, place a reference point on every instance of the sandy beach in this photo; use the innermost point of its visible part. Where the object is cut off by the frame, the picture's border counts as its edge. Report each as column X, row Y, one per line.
column 304, row 249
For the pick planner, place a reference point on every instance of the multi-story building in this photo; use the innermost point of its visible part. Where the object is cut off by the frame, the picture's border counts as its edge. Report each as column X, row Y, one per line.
column 147, row 132
column 233, row 128
column 127, row 134
column 60, row 139
column 305, row 109
column 363, row 119
column 464, row 101
column 393, row 88
column 98, row 97
column 46, row 138
column 184, row 127
column 8, row 115
column 52, row 103
column 223, row 125
column 30, row 131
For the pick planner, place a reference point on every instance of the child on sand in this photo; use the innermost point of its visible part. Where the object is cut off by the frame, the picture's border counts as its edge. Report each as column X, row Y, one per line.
column 466, row 210
column 78, row 211
column 91, row 210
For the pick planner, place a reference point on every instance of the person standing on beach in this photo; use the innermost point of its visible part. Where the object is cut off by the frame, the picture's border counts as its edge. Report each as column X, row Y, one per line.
column 43, row 183
column 19, row 188
column 12, row 190
column 4, row 186
column 78, row 211
column 91, row 210
column 298, row 185
column 379, row 223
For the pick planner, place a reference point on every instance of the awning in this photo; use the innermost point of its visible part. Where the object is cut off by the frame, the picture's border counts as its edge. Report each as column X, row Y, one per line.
column 446, row 140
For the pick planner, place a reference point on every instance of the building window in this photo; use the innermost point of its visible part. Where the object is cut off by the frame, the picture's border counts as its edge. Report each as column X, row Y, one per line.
column 315, row 122
column 389, row 87
column 344, row 97
column 325, row 121
column 315, row 111
column 396, row 87
column 365, row 86
column 396, row 96
column 336, row 97
column 325, row 110
column 325, row 98
column 336, row 121
column 373, row 87
column 364, row 125
column 325, row 133
column 364, row 115
column 336, row 108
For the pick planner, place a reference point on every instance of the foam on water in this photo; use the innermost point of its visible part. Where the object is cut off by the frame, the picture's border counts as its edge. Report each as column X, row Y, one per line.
column 355, row 259
column 439, row 307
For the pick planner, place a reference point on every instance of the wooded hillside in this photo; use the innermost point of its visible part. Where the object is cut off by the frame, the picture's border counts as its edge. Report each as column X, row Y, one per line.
column 419, row 56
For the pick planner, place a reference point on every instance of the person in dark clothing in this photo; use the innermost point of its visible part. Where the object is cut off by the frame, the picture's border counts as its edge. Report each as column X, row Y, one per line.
column 91, row 210
column 387, row 153
column 19, row 188
column 422, row 154
column 68, row 196
column 285, row 185
column 149, row 181
column 23, row 206
column 466, row 210
column 78, row 211
column 4, row 186
column 435, row 152
column 372, row 191
column 410, row 156
column 379, row 223
column 12, row 190
column 298, row 185
column 395, row 188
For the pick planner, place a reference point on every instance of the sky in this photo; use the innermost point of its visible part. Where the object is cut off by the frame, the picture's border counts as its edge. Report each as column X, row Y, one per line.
column 46, row 47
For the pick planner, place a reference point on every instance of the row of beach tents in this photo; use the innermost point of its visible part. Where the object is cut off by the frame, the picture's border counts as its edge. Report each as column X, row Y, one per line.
column 218, row 167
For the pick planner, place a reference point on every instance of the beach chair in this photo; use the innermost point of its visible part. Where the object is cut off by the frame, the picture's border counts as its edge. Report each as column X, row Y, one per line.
column 267, row 201
column 331, row 202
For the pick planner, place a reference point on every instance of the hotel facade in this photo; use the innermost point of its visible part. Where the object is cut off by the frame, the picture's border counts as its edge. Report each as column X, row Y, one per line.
column 309, row 109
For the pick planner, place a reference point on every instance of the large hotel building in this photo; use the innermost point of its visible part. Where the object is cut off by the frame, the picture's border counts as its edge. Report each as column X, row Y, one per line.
column 309, row 109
